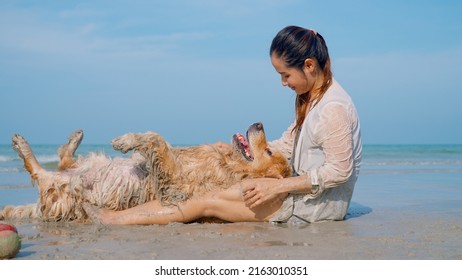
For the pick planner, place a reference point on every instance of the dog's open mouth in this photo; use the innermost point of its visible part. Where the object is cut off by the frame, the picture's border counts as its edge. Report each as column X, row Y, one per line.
column 242, row 145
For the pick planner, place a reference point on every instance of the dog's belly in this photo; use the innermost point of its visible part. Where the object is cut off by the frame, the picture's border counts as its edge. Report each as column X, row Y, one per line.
column 117, row 183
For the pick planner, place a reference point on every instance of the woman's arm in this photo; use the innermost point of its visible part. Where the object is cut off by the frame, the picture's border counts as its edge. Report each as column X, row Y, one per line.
column 337, row 143
column 259, row 191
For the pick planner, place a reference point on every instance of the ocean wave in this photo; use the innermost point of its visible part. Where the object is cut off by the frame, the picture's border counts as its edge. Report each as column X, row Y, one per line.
column 10, row 169
column 412, row 162
column 40, row 158
column 446, row 171
column 47, row 158
column 7, row 158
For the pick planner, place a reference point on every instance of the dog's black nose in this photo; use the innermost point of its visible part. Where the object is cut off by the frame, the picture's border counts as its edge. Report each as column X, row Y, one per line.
column 258, row 126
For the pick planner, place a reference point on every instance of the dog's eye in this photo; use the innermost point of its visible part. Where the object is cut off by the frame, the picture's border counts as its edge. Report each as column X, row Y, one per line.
column 268, row 151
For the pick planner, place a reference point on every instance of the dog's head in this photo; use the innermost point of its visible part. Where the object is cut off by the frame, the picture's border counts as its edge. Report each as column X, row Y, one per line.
column 263, row 161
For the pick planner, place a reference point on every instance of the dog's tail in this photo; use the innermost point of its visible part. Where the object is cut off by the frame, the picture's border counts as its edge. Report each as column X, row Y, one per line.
column 19, row 212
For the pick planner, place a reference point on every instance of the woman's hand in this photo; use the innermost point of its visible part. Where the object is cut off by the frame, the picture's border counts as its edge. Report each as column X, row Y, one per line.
column 260, row 191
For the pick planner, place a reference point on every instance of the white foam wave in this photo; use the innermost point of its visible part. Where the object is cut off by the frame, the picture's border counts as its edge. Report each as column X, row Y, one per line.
column 411, row 163
column 47, row 158
column 7, row 158
column 10, row 169
column 41, row 158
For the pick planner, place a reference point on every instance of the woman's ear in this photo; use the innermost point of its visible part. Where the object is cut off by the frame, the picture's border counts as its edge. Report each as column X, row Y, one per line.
column 310, row 64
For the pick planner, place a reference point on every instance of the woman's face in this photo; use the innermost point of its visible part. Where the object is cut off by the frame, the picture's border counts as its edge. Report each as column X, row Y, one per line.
column 299, row 81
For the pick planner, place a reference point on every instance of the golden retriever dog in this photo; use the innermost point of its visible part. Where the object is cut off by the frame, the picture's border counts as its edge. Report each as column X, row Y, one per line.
column 156, row 170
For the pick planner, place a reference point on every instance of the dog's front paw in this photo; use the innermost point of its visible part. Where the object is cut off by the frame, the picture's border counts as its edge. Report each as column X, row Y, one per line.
column 21, row 146
column 125, row 143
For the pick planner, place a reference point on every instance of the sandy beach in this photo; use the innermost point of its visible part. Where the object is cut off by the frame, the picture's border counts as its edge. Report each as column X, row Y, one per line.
column 381, row 225
column 365, row 235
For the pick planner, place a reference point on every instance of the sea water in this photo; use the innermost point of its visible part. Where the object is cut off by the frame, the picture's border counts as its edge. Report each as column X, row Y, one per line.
column 417, row 177
column 391, row 175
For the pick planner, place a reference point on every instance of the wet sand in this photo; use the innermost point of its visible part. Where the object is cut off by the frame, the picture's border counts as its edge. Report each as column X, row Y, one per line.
column 365, row 234
column 391, row 217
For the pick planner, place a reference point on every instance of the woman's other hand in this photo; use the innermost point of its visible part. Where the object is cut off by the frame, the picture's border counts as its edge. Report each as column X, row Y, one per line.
column 257, row 192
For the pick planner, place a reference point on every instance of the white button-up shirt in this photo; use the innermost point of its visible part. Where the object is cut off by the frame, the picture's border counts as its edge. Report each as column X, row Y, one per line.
column 328, row 150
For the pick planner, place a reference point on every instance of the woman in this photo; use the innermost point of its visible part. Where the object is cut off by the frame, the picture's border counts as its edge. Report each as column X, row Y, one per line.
column 323, row 144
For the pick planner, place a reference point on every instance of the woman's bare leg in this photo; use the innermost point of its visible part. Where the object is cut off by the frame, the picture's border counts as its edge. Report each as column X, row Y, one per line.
column 227, row 205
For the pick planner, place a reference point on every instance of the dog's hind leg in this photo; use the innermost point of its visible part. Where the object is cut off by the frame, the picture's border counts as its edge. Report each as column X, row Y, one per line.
column 66, row 151
column 24, row 151
column 56, row 200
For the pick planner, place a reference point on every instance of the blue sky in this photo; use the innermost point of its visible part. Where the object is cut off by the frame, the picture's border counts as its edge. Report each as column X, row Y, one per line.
column 199, row 71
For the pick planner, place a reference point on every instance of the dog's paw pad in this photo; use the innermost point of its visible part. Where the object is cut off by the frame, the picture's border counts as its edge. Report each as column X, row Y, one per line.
column 21, row 146
column 75, row 138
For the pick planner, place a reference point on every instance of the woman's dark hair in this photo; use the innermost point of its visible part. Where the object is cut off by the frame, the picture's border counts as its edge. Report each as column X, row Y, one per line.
column 294, row 45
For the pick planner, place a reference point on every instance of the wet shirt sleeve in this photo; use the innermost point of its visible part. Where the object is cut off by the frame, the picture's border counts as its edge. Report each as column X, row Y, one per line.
column 334, row 134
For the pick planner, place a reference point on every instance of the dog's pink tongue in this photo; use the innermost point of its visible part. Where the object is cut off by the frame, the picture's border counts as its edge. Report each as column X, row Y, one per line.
column 243, row 141
column 245, row 145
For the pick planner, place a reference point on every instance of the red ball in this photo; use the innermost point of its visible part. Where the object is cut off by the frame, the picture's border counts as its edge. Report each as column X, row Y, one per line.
column 10, row 243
